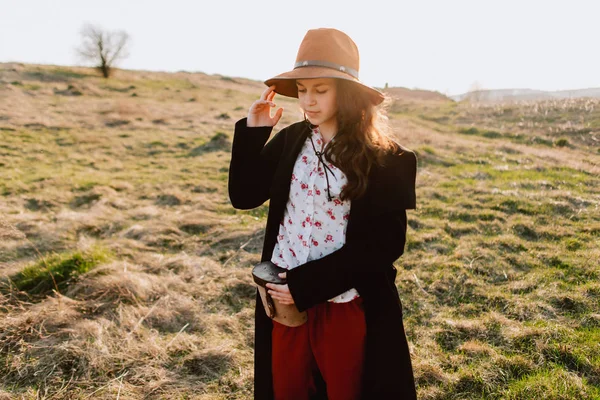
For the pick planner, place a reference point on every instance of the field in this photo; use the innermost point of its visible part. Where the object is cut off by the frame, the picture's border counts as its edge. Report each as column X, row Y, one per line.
column 125, row 272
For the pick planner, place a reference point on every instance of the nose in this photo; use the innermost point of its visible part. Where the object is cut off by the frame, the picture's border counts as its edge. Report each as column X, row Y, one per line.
column 310, row 99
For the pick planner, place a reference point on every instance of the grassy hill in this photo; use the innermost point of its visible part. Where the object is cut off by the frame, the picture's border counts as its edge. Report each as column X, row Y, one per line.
column 125, row 272
column 509, row 95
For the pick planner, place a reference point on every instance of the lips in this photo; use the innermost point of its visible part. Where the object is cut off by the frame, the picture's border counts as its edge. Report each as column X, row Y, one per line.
column 312, row 112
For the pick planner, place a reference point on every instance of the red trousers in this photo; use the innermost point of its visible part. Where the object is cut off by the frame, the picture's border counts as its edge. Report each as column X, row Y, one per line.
column 331, row 342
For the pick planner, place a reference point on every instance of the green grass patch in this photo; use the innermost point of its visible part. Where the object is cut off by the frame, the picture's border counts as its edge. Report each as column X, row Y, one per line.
column 67, row 73
column 41, row 276
column 572, row 244
column 517, row 138
column 85, row 185
column 427, row 149
column 259, row 212
column 31, row 86
column 551, row 384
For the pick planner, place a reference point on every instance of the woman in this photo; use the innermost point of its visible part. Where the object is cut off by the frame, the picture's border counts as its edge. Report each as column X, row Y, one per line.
column 339, row 187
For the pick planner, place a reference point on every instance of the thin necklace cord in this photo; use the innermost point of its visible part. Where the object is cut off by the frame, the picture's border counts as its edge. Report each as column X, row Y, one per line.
column 319, row 155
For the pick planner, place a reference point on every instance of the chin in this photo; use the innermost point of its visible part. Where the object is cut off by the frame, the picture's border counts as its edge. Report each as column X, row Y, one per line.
column 313, row 121
column 319, row 119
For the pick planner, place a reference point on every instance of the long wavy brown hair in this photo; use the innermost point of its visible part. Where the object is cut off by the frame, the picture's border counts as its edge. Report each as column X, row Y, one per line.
column 363, row 137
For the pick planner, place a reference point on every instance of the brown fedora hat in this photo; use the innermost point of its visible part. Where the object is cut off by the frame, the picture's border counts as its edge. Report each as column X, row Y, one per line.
column 324, row 53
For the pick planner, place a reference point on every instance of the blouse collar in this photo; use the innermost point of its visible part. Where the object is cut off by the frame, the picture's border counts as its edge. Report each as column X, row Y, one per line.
column 317, row 132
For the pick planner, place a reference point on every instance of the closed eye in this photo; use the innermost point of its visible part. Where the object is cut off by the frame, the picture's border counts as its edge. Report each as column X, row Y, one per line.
column 303, row 91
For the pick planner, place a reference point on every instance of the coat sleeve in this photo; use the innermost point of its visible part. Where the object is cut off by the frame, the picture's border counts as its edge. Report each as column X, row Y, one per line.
column 378, row 244
column 253, row 164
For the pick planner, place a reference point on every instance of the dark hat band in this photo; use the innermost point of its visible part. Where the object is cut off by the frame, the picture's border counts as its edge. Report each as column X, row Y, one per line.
column 318, row 63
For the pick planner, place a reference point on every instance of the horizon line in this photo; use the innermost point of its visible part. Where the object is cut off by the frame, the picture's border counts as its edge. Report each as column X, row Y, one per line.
column 261, row 81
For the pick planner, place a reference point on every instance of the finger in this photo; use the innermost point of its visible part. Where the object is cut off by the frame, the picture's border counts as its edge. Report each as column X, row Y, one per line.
column 267, row 91
column 279, row 295
column 282, row 299
column 265, row 102
column 277, row 288
column 282, row 293
column 277, row 116
column 256, row 108
column 271, row 95
column 260, row 106
column 276, row 295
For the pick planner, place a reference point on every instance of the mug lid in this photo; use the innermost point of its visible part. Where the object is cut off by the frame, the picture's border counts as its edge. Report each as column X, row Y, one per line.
column 266, row 272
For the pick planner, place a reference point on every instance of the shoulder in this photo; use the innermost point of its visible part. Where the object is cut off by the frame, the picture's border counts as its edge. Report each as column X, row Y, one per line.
column 294, row 128
column 290, row 131
column 399, row 161
column 297, row 126
column 262, row 134
column 393, row 183
column 242, row 124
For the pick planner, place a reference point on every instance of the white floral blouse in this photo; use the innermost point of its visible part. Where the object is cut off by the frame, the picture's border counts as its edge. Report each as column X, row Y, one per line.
column 312, row 225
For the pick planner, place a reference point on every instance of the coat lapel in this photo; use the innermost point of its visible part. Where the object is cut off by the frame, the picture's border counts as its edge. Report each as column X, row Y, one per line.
column 280, row 187
column 281, row 181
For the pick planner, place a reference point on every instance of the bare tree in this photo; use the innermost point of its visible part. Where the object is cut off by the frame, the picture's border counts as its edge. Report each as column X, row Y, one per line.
column 102, row 48
column 475, row 93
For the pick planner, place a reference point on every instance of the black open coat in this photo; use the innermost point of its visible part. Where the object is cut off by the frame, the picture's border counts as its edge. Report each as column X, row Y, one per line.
column 375, row 238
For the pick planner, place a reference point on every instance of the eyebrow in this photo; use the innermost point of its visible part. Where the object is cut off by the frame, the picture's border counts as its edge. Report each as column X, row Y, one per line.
column 317, row 85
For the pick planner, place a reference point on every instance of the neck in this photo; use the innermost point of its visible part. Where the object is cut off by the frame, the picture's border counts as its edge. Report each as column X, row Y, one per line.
column 328, row 129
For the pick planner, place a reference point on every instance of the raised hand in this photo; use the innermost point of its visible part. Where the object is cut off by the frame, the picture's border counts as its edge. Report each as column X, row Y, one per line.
column 259, row 113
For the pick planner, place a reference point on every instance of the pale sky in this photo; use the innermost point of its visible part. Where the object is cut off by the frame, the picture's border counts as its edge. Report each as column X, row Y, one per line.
column 443, row 45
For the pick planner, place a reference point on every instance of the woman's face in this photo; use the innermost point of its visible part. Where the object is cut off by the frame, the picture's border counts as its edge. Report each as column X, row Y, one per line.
column 318, row 99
